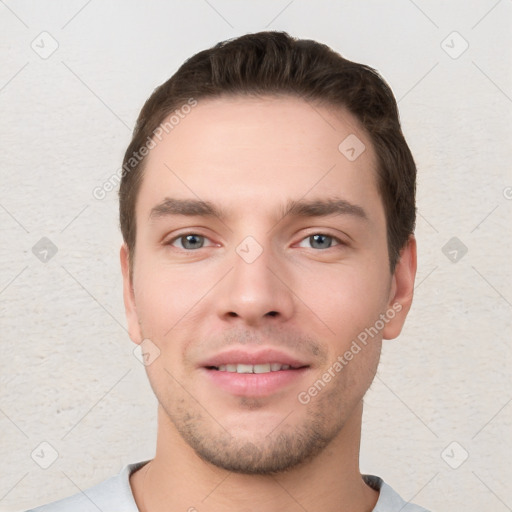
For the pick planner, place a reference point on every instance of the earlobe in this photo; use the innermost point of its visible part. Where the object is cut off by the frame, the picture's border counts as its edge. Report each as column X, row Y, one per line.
column 129, row 297
column 402, row 290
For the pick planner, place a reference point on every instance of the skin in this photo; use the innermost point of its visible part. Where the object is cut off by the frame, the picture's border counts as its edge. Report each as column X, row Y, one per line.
column 250, row 156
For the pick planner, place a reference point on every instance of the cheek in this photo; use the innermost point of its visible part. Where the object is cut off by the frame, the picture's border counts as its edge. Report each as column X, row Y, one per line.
column 347, row 299
column 163, row 297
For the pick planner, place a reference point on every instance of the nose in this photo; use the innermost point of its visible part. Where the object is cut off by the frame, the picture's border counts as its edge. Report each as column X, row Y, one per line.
column 255, row 292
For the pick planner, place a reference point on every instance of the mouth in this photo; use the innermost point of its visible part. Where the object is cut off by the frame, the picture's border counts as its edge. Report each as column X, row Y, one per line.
column 254, row 368
column 263, row 373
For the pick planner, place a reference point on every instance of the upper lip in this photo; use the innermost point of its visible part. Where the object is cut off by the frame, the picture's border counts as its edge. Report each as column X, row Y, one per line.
column 261, row 356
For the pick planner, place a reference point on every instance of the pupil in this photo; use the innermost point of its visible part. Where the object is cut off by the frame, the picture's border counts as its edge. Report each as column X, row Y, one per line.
column 192, row 241
column 321, row 241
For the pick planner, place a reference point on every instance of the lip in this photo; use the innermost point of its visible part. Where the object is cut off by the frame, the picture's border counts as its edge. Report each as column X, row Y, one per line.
column 261, row 356
column 254, row 384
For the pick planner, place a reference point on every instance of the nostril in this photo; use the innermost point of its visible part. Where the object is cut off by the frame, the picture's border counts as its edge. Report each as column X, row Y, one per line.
column 235, row 315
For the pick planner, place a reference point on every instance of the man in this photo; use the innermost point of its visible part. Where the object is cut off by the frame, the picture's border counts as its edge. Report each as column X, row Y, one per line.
column 267, row 207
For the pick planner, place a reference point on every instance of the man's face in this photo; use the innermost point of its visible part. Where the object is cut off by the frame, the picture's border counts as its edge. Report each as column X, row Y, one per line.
column 250, row 289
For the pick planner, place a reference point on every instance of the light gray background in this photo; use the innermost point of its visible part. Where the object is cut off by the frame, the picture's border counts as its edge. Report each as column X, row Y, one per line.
column 68, row 374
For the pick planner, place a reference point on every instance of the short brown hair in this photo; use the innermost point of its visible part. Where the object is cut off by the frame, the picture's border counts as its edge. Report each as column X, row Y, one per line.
column 273, row 63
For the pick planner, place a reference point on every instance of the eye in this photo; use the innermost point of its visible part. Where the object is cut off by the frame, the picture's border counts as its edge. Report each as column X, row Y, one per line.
column 319, row 241
column 189, row 241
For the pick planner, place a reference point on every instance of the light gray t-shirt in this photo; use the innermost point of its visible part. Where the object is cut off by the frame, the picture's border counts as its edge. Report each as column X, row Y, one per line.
column 115, row 495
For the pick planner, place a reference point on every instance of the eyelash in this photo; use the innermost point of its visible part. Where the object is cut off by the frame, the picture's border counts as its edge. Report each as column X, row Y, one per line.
column 337, row 241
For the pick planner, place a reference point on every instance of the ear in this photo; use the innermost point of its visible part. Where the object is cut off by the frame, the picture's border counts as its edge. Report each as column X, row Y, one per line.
column 402, row 289
column 129, row 297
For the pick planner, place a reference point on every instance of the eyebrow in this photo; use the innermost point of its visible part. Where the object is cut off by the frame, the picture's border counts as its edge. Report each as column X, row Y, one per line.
column 294, row 208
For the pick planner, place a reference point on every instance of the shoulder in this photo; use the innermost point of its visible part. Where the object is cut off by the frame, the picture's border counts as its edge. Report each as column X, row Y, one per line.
column 389, row 500
column 112, row 495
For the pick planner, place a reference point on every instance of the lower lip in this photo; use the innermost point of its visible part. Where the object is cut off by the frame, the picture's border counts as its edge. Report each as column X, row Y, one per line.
column 254, row 384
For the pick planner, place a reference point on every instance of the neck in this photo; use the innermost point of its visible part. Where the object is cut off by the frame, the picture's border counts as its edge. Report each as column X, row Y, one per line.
column 179, row 480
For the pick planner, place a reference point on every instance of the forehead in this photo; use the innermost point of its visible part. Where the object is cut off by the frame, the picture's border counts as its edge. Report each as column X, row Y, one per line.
column 250, row 152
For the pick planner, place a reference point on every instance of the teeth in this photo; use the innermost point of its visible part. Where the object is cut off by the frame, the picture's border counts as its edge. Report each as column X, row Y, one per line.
column 253, row 368
column 244, row 368
column 261, row 368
